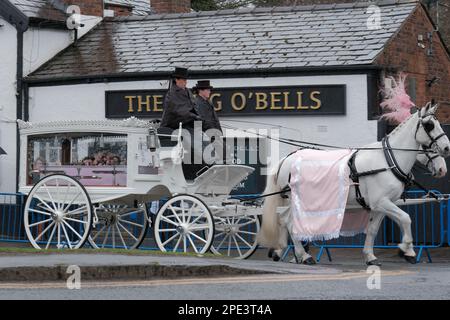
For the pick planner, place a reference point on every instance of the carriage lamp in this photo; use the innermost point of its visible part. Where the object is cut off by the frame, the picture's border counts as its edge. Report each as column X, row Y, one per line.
column 151, row 140
column 2, row 152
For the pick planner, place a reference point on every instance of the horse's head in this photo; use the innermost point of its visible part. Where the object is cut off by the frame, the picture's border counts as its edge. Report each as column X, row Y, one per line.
column 429, row 132
column 433, row 162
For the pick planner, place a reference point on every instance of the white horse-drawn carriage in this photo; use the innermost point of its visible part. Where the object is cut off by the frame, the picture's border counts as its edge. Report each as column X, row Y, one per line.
column 91, row 181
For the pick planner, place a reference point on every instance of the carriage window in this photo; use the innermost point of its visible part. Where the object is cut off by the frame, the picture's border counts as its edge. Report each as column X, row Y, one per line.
column 94, row 159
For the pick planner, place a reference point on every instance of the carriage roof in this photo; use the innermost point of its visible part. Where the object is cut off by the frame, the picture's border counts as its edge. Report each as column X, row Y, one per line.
column 130, row 125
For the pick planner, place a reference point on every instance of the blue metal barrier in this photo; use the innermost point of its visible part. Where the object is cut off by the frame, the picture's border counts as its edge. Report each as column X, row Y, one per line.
column 11, row 221
column 427, row 226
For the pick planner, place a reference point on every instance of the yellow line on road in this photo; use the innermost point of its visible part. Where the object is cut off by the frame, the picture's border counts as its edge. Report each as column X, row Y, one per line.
column 202, row 281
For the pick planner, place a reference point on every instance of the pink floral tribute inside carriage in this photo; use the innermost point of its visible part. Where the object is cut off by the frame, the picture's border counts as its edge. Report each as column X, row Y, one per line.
column 95, row 159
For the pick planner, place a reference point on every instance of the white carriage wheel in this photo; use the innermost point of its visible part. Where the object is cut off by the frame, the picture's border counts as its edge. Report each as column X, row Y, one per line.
column 184, row 223
column 119, row 226
column 58, row 213
column 235, row 236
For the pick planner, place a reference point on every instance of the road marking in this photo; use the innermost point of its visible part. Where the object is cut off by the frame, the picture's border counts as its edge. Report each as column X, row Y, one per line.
column 202, row 281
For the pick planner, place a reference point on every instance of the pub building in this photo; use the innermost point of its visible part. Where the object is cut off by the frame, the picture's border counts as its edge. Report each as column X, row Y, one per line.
column 312, row 72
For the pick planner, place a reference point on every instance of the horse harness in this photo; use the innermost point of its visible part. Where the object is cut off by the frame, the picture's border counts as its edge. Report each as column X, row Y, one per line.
column 407, row 179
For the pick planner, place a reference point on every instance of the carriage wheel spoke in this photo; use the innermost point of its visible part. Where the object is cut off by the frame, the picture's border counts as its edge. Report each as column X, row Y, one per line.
column 218, row 234
column 98, row 232
column 188, row 220
column 127, row 213
column 44, row 203
column 167, row 230
column 237, row 246
column 244, row 241
column 45, row 230
column 73, row 230
column 170, row 239
column 50, row 196
column 184, row 243
column 75, row 220
column 247, row 232
column 113, row 237
column 65, row 195
column 59, row 236
column 199, row 227
column 168, row 221
column 198, row 218
column 175, row 214
column 178, row 243
column 51, row 237
column 132, row 223
column 106, row 237
column 247, row 223
column 40, row 222
column 221, row 242
column 77, row 211
column 71, row 202
column 192, row 243
column 131, row 235
column 199, row 238
column 121, row 237
column 41, row 212
column 67, row 237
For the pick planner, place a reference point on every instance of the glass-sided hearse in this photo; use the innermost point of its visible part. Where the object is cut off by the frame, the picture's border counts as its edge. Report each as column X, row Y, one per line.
column 92, row 181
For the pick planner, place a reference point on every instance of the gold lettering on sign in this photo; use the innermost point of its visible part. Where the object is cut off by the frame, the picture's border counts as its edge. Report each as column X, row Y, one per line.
column 286, row 102
column 157, row 103
column 274, row 100
column 146, row 104
column 261, row 101
column 316, row 100
column 130, row 103
column 217, row 103
column 243, row 101
column 300, row 105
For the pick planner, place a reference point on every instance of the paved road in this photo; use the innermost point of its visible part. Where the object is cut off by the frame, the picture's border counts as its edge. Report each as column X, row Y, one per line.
column 397, row 282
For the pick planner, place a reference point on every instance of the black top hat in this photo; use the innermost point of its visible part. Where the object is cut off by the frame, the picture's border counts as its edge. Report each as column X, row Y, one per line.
column 2, row 152
column 180, row 73
column 202, row 84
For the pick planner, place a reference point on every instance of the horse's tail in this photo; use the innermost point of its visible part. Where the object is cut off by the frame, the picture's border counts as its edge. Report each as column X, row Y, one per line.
column 269, row 235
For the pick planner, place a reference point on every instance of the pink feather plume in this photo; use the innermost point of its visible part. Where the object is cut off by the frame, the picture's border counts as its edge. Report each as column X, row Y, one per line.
column 397, row 103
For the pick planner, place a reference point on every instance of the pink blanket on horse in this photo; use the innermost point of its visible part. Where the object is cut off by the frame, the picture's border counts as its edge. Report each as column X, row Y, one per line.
column 320, row 185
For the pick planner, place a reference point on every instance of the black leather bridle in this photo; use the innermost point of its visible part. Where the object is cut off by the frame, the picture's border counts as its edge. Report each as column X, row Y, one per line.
column 428, row 127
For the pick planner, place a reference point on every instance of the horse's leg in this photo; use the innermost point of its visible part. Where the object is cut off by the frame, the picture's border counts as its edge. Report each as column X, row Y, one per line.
column 375, row 220
column 300, row 254
column 404, row 222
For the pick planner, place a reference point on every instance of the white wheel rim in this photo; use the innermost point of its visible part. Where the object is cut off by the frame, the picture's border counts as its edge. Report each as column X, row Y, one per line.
column 235, row 236
column 57, row 214
column 184, row 224
column 119, row 227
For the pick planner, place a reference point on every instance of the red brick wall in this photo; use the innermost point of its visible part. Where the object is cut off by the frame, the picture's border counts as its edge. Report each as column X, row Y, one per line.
column 402, row 53
column 171, row 6
column 119, row 11
column 88, row 7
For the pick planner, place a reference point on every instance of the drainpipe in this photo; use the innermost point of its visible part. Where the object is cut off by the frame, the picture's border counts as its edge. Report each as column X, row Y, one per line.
column 19, row 95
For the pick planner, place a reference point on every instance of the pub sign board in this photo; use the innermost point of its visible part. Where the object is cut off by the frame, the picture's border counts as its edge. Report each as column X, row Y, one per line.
column 252, row 101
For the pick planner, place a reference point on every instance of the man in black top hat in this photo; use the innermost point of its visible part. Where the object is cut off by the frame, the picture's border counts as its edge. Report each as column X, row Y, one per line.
column 204, row 107
column 179, row 103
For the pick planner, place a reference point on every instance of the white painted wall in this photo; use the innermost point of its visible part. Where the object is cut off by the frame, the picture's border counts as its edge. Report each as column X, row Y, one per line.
column 8, row 54
column 42, row 44
column 88, row 102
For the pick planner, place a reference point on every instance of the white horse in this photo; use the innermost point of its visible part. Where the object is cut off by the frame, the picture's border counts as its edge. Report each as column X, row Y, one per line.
column 379, row 191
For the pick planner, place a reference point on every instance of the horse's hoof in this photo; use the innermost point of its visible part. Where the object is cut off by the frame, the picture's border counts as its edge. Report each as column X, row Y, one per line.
column 374, row 263
column 410, row 259
column 270, row 253
column 310, row 261
column 275, row 257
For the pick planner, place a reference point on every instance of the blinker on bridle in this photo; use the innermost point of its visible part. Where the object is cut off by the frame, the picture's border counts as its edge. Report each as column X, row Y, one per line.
column 428, row 127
